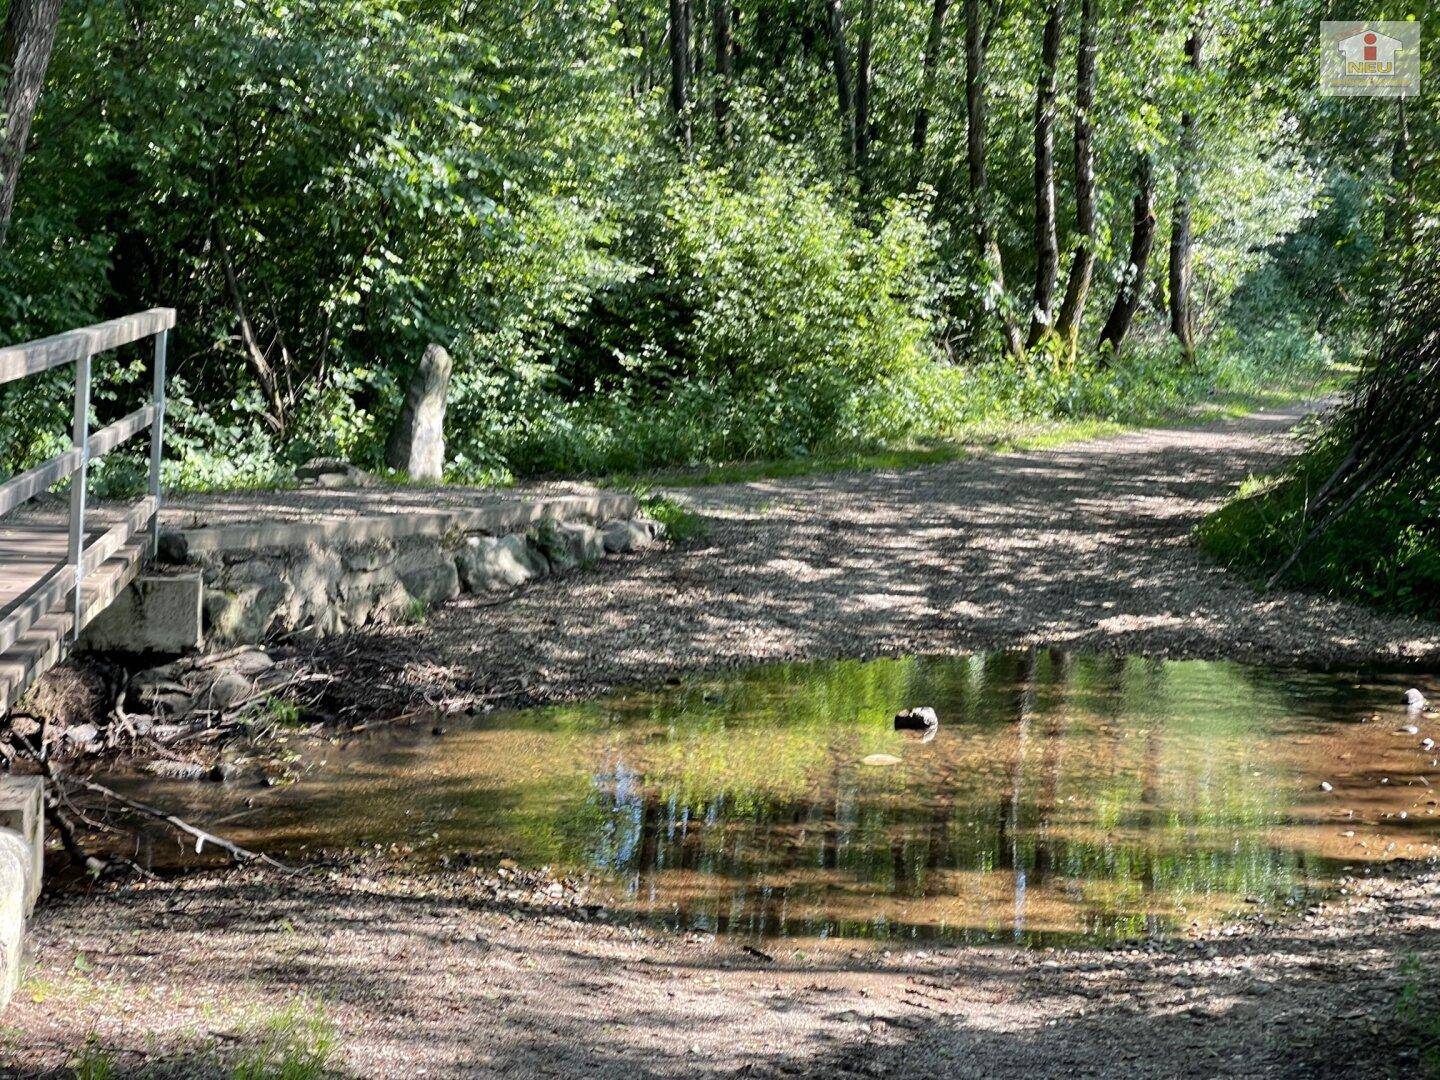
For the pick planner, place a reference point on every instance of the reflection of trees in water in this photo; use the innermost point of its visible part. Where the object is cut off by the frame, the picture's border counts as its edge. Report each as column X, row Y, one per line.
column 1121, row 826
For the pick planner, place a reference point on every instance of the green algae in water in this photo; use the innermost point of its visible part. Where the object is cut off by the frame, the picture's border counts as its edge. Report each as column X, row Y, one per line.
column 1065, row 797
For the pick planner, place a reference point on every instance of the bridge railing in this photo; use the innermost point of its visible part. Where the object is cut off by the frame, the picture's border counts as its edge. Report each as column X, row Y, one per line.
column 80, row 347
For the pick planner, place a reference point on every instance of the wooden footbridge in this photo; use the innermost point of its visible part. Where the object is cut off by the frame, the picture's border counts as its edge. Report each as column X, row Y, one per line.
column 60, row 570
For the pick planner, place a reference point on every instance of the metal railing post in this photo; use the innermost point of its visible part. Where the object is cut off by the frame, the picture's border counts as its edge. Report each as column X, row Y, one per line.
column 80, row 437
column 157, row 435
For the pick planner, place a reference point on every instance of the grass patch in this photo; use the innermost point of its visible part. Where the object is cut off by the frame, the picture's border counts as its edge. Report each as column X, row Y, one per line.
column 297, row 1044
column 93, row 1063
column 1384, row 551
column 995, row 436
column 1419, row 1012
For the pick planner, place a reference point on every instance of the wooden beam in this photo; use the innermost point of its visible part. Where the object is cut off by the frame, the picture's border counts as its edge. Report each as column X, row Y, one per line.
column 30, row 483
column 118, row 535
column 107, row 438
column 17, row 361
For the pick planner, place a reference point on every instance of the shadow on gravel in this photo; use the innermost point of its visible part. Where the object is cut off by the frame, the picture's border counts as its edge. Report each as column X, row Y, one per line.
column 1086, row 547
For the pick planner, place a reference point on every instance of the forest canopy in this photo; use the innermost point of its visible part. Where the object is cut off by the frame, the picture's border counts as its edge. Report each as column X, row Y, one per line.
column 685, row 232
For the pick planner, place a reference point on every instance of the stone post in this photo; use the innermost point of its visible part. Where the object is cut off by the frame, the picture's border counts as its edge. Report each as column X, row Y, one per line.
column 417, row 442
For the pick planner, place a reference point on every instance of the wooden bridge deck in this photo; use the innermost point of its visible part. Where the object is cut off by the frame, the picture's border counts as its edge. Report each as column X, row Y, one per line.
column 32, row 555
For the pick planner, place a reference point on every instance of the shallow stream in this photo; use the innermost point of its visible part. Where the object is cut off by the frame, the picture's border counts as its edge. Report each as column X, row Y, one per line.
column 1064, row 797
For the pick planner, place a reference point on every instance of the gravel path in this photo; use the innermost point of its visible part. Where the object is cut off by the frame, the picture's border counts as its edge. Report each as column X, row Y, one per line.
column 432, row 977
column 1084, row 547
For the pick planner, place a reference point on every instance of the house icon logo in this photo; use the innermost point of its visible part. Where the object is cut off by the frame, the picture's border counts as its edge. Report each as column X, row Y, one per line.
column 1369, row 53
column 1380, row 58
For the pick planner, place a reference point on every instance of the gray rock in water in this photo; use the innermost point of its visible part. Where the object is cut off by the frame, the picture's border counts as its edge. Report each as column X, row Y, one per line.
column 1414, row 699
column 919, row 719
column 417, row 442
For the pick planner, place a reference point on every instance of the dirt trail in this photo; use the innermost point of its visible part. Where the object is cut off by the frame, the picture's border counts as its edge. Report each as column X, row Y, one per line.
column 1084, row 547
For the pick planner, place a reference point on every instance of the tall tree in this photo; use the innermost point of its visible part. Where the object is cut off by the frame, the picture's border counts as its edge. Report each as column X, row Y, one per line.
column 1047, row 243
column 1182, row 314
column 977, row 41
column 843, row 91
column 25, row 54
column 724, row 66
column 1398, row 211
column 680, row 68
column 1082, row 263
column 1142, row 238
column 864, row 84
column 929, row 67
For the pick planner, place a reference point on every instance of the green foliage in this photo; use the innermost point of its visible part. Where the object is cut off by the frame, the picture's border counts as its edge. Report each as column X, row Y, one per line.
column 94, row 1062
column 365, row 178
column 681, row 524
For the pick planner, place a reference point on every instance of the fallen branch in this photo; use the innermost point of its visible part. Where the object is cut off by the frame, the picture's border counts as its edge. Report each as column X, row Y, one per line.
column 235, row 851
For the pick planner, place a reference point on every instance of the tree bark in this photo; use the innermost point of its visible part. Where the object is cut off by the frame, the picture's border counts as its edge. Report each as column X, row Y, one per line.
column 680, row 69
column 1398, row 217
column 975, row 115
column 1142, row 237
column 1047, row 244
column 1082, row 264
column 1182, row 315
column 724, row 67
column 843, row 92
column 929, row 69
column 25, row 54
column 864, row 82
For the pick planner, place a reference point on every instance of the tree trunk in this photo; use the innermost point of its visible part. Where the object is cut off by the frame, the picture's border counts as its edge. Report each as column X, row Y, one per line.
column 843, row 91
column 694, row 42
column 1082, row 265
column 679, row 69
column 975, row 165
column 1182, row 315
column 724, row 67
column 929, row 68
column 25, row 53
column 1142, row 237
column 1047, row 244
column 864, row 80
column 1398, row 218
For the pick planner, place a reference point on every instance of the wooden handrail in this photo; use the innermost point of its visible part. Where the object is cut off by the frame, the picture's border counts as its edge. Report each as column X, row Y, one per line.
column 79, row 347
column 17, row 361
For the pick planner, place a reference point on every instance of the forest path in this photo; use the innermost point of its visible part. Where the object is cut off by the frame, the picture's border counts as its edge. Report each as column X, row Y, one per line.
column 1087, row 547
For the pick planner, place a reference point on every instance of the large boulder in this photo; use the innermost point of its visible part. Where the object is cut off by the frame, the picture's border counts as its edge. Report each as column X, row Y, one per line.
column 577, row 544
column 417, row 442
column 498, row 562
column 626, row 535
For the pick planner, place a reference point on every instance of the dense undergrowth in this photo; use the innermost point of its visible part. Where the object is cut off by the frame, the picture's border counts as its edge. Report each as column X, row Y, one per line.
column 1358, row 514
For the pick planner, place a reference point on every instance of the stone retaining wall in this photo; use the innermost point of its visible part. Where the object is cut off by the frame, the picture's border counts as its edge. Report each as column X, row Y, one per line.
column 328, row 577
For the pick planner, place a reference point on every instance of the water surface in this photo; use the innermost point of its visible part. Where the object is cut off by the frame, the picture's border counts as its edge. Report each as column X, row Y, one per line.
column 1065, row 797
